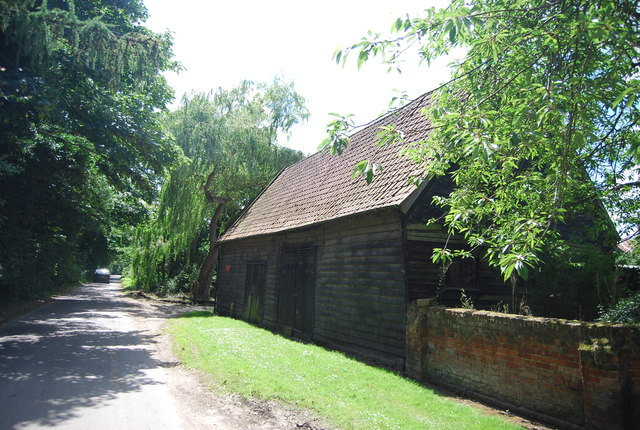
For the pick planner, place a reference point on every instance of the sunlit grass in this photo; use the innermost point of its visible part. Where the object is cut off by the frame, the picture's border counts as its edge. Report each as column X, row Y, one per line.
column 127, row 283
column 243, row 359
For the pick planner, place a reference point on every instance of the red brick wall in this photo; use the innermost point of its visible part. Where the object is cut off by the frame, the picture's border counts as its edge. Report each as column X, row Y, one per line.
column 568, row 373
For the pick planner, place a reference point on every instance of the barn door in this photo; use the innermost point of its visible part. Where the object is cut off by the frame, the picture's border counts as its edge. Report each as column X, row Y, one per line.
column 254, row 292
column 286, row 292
column 305, row 290
column 296, row 292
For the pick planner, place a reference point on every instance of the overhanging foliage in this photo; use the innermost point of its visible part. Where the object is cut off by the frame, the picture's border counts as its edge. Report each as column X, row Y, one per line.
column 538, row 125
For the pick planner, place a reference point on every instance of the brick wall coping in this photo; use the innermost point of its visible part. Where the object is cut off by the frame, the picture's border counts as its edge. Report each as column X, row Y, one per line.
column 422, row 303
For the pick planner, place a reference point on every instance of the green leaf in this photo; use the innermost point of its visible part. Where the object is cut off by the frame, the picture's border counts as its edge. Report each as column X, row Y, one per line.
column 359, row 169
column 397, row 25
column 621, row 96
column 338, row 56
column 507, row 271
column 369, row 176
column 363, row 56
column 631, row 101
column 523, row 271
column 494, row 52
column 324, row 145
column 452, row 34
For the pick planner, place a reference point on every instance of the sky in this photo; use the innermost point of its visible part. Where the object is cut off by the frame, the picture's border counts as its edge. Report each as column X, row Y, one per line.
column 220, row 43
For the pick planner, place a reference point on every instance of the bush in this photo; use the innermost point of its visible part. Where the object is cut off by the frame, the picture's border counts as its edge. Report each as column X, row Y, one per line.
column 626, row 311
column 573, row 283
column 180, row 282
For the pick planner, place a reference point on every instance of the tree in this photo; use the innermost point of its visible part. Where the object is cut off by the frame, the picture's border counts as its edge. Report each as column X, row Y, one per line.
column 86, row 69
column 538, row 125
column 228, row 139
column 81, row 145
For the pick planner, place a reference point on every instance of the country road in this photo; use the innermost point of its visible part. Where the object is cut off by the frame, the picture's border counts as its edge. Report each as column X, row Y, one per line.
column 80, row 362
column 95, row 359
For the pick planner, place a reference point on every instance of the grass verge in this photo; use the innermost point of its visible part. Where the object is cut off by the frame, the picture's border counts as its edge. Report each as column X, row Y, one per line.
column 253, row 362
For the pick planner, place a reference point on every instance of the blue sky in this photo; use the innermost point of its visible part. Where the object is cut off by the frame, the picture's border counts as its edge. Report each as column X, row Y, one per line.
column 222, row 42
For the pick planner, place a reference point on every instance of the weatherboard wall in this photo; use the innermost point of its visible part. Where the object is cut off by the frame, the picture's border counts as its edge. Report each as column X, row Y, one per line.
column 360, row 295
column 424, row 277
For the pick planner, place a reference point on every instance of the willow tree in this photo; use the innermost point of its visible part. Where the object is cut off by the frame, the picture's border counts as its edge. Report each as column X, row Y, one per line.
column 229, row 143
column 538, row 125
column 81, row 91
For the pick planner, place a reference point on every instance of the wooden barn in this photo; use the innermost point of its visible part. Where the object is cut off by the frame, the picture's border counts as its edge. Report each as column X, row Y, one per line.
column 323, row 257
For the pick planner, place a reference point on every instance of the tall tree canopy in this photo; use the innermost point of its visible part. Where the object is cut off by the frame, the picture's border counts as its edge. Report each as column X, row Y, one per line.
column 229, row 142
column 537, row 125
column 81, row 144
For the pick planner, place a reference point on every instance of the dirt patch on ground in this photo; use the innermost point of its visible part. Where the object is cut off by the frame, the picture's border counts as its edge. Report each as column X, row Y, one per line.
column 489, row 410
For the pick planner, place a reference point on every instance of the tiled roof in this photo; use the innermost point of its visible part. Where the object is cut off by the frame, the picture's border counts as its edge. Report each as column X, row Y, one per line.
column 319, row 188
column 626, row 246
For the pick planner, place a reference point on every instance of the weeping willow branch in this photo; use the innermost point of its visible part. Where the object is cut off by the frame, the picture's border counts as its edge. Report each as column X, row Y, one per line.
column 42, row 37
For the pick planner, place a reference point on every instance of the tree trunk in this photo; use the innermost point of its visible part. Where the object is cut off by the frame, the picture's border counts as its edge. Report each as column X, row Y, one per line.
column 200, row 288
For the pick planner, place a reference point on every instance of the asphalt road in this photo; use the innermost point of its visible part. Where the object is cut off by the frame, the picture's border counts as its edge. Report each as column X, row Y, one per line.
column 79, row 362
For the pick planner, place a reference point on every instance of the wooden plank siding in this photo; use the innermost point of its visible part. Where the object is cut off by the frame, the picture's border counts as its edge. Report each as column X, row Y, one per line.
column 232, row 275
column 483, row 284
column 360, row 296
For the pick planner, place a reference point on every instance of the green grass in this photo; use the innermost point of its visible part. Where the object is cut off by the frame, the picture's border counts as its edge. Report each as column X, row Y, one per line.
column 253, row 362
column 127, row 283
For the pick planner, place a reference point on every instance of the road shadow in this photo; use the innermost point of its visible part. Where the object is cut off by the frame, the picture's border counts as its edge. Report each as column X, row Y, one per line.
column 79, row 351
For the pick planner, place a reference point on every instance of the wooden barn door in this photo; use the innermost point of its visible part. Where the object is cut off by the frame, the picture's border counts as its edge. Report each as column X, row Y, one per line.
column 296, row 292
column 254, row 292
